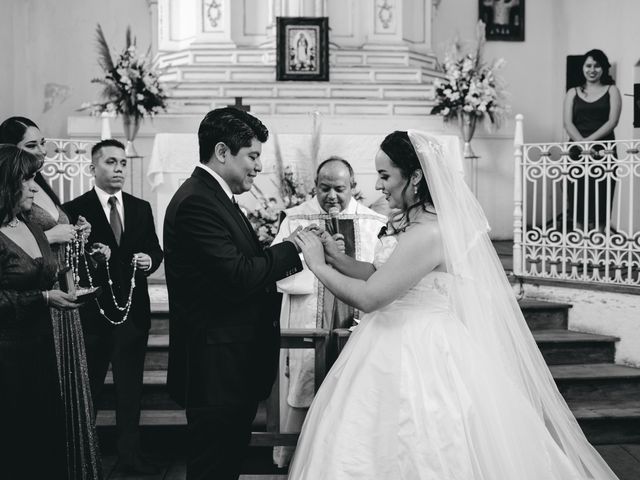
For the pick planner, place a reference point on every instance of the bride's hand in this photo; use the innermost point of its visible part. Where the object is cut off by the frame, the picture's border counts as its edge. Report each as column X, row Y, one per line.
column 311, row 247
column 333, row 244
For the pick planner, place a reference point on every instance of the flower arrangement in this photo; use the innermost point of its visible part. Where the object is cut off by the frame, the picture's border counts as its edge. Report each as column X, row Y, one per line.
column 265, row 219
column 131, row 86
column 293, row 186
column 470, row 86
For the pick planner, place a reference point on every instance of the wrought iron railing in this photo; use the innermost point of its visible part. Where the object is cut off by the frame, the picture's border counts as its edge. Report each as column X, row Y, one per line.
column 574, row 215
column 66, row 167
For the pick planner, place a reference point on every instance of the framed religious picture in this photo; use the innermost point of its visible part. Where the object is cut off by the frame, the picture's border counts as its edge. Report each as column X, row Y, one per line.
column 636, row 105
column 503, row 19
column 302, row 51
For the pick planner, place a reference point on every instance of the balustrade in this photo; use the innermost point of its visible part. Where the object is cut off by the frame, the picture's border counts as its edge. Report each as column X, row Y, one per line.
column 574, row 215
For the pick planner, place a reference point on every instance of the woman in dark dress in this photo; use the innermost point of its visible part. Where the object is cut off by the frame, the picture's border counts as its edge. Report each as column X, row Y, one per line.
column 591, row 112
column 31, row 410
column 46, row 212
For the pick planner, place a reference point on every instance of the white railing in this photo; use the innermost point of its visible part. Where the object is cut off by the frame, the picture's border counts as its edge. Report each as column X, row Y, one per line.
column 574, row 215
column 66, row 167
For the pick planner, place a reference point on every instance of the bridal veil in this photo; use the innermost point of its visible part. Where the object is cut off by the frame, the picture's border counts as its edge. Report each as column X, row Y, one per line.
column 484, row 301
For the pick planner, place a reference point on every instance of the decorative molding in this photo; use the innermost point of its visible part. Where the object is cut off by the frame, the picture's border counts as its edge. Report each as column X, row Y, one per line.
column 385, row 14
column 212, row 10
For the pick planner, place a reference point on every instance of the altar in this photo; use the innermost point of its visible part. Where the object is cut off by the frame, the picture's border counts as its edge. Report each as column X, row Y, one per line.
column 174, row 156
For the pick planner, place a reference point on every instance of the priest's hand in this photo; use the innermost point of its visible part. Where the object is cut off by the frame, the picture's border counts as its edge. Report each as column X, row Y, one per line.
column 333, row 245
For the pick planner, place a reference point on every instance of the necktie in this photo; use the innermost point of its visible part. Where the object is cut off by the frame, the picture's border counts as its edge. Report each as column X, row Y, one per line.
column 245, row 220
column 115, row 220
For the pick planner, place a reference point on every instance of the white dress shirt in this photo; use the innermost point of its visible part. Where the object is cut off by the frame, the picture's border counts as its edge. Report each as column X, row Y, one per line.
column 104, row 201
column 220, row 180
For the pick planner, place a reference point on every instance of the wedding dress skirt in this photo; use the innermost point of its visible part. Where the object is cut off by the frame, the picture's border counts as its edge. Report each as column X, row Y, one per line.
column 411, row 397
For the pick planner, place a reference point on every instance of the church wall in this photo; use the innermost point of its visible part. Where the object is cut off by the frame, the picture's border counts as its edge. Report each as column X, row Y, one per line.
column 47, row 44
column 7, row 40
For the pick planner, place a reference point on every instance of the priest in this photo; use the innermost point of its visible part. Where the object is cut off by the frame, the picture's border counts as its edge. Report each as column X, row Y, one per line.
column 306, row 303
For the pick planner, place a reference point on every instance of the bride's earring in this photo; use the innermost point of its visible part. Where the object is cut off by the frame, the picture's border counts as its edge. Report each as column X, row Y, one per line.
column 415, row 189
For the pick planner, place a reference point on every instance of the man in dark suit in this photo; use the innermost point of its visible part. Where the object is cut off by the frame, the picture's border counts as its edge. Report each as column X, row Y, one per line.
column 224, row 308
column 115, row 335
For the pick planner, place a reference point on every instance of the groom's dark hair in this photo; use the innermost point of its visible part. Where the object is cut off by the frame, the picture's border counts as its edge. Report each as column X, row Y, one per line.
column 235, row 128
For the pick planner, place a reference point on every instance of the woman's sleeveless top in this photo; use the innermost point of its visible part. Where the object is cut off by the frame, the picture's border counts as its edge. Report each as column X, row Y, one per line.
column 590, row 116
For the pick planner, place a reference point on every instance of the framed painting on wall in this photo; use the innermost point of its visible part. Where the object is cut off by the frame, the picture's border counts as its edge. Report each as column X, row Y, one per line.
column 503, row 19
column 302, row 51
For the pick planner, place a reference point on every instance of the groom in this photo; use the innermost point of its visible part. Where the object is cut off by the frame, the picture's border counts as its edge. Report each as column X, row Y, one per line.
column 224, row 309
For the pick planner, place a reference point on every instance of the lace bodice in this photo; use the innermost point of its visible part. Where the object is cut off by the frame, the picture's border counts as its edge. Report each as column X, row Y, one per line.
column 433, row 290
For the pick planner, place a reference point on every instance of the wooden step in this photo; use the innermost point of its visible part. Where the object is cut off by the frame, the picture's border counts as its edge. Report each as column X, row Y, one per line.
column 559, row 347
column 539, row 315
column 154, row 394
column 615, row 423
column 565, row 347
column 545, row 315
column 597, row 384
column 612, row 423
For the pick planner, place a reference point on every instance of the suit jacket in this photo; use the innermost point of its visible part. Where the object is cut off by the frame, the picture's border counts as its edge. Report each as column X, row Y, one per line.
column 224, row 308
column 139, row 236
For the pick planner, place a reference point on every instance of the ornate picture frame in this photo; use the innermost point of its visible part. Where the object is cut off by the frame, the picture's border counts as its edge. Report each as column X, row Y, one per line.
column 503, row 19
column 302, row 50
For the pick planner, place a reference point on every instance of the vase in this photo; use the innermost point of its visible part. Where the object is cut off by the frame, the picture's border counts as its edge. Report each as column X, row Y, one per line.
column 467, row 123
column 131, row 124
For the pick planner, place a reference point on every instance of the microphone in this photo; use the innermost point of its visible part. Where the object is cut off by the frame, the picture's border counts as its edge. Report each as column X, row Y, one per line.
column 335, row 222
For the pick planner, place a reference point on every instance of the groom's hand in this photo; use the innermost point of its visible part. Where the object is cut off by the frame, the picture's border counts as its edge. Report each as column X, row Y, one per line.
column 292, row 238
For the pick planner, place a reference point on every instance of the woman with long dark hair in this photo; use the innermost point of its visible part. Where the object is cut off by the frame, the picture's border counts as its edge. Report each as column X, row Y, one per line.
column 46, row 212
column 591, row 112
column 442, row 378
column 31, row 410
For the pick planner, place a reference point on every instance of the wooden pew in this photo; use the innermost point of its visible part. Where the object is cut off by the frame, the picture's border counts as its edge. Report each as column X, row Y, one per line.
column 316, row 338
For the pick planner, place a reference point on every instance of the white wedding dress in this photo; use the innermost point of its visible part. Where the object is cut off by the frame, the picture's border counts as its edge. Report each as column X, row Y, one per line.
column 413, row 397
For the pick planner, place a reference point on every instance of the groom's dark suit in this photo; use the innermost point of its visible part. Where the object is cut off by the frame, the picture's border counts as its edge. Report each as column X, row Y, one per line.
column 224, row 321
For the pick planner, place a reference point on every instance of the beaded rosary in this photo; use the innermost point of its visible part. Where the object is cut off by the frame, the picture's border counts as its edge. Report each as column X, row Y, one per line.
column 74, row 250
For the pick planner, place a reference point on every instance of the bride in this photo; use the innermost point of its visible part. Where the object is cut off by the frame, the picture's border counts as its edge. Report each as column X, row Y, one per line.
column 441, row 379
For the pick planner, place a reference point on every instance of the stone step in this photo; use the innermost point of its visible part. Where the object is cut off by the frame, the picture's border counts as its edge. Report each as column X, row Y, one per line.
column 225, row 92
column 266, row 75
column 165, row 430
column 559, row 347
column 354, row 106
column 597, row 384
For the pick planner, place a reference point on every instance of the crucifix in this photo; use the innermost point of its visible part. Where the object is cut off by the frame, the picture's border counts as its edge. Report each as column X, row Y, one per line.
column 239, row 105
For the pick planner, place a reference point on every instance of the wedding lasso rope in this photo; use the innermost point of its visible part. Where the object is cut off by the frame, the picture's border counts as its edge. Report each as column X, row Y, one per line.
column 75, row 249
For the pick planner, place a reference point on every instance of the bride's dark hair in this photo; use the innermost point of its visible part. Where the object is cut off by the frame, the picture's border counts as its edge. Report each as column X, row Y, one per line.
column 400, row 150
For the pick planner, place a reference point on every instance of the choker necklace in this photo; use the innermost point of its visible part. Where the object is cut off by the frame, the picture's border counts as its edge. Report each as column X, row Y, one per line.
column 13, row 223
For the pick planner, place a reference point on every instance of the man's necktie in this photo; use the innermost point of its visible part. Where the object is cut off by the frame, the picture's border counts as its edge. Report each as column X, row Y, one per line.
column 245, row 220
column 115, row 220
